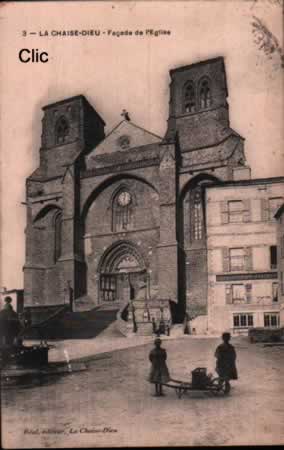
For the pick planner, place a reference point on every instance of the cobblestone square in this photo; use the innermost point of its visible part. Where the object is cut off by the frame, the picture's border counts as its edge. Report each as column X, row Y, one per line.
column 111, row 404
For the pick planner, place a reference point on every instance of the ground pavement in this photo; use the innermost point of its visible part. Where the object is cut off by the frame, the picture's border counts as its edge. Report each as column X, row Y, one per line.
column 107, row 341
column 111, row 403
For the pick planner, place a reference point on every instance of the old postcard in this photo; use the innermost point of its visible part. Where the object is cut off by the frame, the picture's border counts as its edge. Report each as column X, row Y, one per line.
column 142, row 214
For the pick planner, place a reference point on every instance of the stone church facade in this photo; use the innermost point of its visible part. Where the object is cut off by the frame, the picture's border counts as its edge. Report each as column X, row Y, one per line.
column 111, row 216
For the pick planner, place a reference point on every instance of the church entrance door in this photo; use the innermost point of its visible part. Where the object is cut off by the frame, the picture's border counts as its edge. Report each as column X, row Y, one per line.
column 122, row 269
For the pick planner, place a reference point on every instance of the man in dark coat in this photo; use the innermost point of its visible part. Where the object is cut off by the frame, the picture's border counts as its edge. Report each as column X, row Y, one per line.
column 159, row 371
column 226, row 361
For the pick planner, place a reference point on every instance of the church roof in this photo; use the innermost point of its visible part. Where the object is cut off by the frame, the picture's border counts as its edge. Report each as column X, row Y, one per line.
column 80, row 97
column 123, row 137
column 37, row 173
column 197, row 64
column 212, row 154
column 193, row 136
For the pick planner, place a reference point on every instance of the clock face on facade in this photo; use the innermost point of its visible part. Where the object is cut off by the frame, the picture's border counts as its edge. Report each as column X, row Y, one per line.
column 124, row 198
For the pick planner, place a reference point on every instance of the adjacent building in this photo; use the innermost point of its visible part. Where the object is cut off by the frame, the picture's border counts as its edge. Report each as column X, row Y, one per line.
column 242, row 255
column 279, row 216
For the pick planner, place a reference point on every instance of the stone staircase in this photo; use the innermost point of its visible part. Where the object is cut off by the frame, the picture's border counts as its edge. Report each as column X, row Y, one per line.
column 84, row 303
column 77, row 324
column 144, row 329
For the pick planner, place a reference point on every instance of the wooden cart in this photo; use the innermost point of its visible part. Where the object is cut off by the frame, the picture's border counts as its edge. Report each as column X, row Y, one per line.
column 200, row 382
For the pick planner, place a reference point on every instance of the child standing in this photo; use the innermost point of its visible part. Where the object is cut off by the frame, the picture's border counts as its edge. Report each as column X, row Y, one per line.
column 226, row 361
column 159, row 371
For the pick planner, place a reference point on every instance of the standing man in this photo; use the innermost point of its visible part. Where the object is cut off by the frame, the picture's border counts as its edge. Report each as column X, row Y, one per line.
column 225, row 355
column 10, row 325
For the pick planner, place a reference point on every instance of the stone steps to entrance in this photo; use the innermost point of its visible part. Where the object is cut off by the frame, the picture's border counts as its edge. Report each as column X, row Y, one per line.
column 77, row 325
column 109, row 306
column 144, row 329
column 85, row 303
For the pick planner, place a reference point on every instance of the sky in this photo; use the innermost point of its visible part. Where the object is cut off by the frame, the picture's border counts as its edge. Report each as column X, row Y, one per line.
column 130, row 72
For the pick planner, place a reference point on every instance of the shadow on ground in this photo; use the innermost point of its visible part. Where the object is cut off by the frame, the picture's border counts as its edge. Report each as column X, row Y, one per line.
column 74, row 325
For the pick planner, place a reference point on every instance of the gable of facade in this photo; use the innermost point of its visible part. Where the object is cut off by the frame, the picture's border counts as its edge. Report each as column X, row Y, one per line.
column 125, row 136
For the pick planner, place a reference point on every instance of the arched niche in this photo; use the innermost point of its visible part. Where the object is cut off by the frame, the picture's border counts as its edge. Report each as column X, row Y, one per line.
column 47, row 236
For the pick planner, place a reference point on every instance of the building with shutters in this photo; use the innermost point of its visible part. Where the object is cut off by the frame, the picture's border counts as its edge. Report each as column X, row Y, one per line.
column 279, row 216
column 130, row 215
column 243, row 286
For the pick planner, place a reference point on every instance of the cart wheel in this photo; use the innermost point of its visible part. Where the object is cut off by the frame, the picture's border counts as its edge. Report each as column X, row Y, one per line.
column 180, row 392
column 219, row 387
column 214, row 386
column 222, row 387
column 227, row 389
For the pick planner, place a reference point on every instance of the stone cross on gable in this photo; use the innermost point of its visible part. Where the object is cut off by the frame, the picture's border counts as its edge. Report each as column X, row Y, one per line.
column 125, row 114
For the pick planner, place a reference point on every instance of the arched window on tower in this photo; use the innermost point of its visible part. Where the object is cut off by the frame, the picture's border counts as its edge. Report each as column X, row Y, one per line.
column 57, row 235
column 189, row 103
column 196, row 215
column 122, row 211
column 205, row 97
column 61, row 130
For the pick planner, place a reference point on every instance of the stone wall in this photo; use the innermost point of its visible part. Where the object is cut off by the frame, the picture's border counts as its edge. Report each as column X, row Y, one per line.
column 143, row 232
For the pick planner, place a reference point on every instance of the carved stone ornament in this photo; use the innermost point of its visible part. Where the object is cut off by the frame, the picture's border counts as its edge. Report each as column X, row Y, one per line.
column 123, row 141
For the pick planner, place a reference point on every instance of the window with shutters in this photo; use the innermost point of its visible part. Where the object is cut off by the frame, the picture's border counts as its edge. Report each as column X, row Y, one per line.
column 282, row 283
column 238, row 293
column 243, row 320
column 228, row 288
column 274, row 204
column 246, row 210
column 237, row 259
column 273, row 257
column 226, row 259
column 275, row 292
column 248, row 288
column 248, row 258
column 235, row 211
column 271, row 320
column 264, row 209
column 224, row 212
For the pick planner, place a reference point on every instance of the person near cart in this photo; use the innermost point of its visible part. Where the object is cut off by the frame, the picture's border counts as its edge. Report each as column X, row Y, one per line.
column 159, row 373
column 226, row 361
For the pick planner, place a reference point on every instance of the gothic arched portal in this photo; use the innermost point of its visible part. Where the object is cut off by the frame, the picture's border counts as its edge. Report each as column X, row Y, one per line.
column 122, row 273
